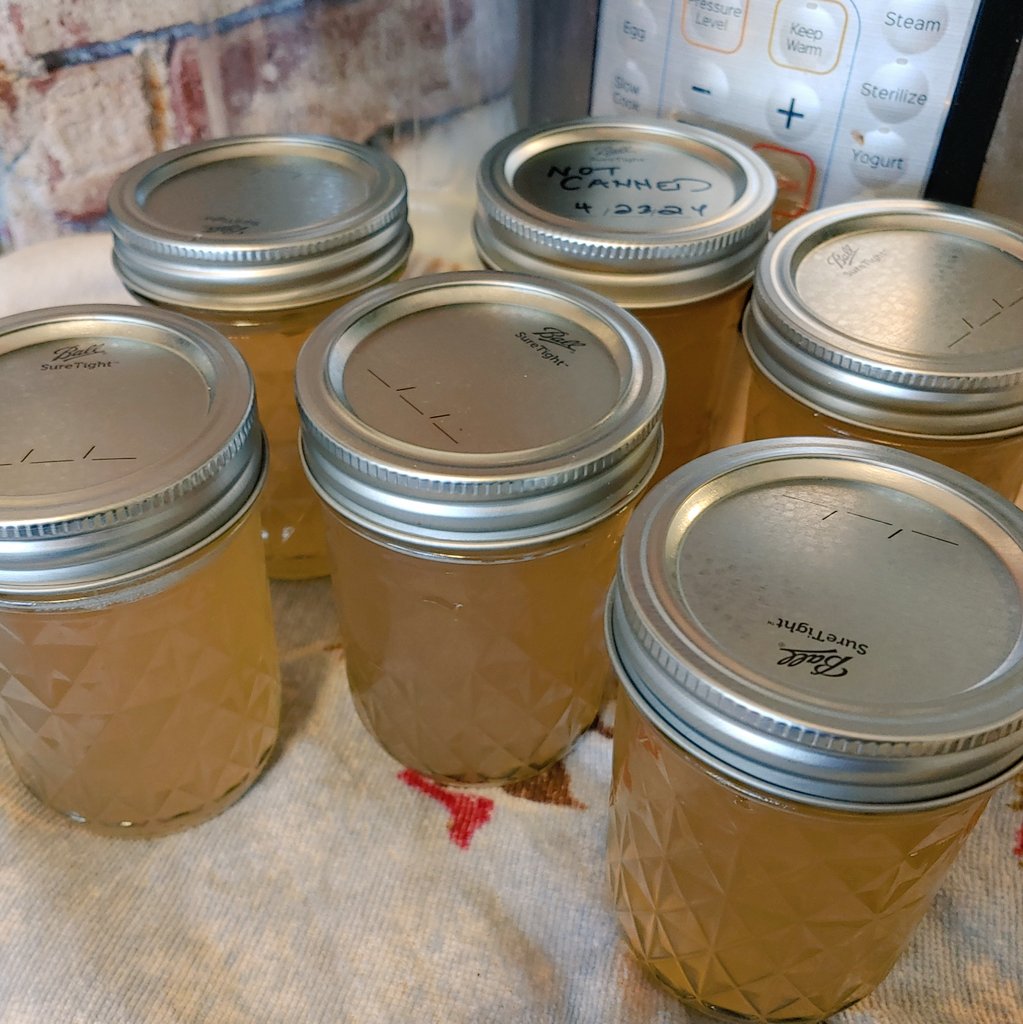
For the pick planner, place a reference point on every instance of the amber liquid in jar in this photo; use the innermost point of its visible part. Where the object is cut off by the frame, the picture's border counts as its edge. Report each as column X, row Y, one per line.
column 150, row 708
column 482, row 669
column 697, row 341
column 293, row 539
column 995, row 461
column 758, row 908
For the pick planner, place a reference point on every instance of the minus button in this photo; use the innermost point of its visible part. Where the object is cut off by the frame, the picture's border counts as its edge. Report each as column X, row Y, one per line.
column 703, row 89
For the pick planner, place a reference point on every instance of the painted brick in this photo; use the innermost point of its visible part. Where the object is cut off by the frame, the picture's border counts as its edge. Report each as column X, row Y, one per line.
column 351, row 68
column 83, row 129
column 35, row 27
column 346, row 71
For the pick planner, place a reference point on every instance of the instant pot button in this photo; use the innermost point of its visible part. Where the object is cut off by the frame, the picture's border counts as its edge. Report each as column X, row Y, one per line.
column 808, row 34
column 637, row 29
column 796, row 174
column 792, row 110
column 880, row 159
column 896, row 91
column 629, row 88
column 715, row 24
column 912, row 26
column 703, row 88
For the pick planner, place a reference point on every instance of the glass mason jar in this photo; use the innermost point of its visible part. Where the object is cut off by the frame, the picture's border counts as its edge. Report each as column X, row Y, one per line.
column 139, row 689
column 663, row 218
column 895, row 321
column 262, row 237
column 820, row 646
column 477, row 440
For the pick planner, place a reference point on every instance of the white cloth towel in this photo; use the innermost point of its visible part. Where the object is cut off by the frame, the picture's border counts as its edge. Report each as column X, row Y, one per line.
column 342, row 889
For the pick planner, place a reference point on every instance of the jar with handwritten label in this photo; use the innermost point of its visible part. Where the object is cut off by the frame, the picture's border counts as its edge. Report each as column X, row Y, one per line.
column 663, row 218
column 478, row 440
column 820, row 646
column 897, row 321
column 262, row 237
column 139, row 690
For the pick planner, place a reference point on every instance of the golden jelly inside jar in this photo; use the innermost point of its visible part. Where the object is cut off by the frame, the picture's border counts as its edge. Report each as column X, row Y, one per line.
column 819, row 645
column 663, row 218
column 477, row 440
column 895, row 321
column 263, row 237
column 139, row 689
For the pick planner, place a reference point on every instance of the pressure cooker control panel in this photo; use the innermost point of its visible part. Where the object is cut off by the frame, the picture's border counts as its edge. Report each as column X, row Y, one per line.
column 843, row 98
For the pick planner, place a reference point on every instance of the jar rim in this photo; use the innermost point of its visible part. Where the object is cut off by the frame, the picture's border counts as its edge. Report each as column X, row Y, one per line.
column 639, row 259
column 558, row 392
column 174, row 443
column 765, row 599
column 259, row 222
column 827, row 321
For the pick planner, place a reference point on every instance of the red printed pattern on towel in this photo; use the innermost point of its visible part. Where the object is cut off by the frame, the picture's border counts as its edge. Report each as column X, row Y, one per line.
column 468, row 812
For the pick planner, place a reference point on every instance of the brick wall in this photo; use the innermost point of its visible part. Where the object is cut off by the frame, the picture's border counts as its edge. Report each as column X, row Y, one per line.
column 90, row 87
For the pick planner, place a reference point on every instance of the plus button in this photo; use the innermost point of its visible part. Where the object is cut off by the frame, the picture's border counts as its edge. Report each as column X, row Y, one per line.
column 790, row 112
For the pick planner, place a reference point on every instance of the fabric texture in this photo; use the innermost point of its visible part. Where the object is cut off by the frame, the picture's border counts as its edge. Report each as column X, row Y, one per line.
column 343, row 888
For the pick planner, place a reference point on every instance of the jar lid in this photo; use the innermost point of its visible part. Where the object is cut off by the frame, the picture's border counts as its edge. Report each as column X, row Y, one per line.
column 648, row 213
column 836, row 621
column 905, row 315
column 126, row 437
column 259, row 222
column 479, row 409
